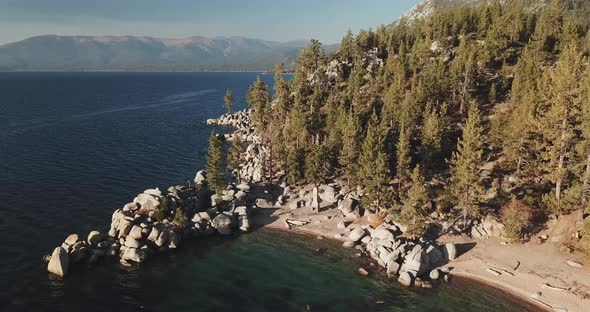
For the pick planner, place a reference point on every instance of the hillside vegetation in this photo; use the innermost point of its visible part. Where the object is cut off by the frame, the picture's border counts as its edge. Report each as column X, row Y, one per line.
column 473, row 110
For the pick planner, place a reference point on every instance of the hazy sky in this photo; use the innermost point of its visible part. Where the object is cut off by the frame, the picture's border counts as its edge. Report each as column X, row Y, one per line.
column 277, row 20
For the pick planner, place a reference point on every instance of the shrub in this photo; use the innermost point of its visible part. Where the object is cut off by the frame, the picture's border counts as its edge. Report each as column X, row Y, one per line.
column 180, row 218
column 162, row 211
column 517, row 219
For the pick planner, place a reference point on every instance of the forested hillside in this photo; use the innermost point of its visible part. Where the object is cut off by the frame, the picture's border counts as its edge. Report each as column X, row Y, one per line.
column 470, row 111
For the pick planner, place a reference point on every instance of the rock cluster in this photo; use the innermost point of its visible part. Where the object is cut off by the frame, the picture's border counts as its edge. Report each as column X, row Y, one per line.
column 242, row 121
column 157, row 221
column 410, row 260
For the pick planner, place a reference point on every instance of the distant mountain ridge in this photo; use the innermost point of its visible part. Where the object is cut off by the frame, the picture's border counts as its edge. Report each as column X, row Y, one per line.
column 52, row 52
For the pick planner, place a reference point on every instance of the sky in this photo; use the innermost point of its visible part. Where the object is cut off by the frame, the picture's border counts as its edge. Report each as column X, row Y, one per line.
column 275, row 20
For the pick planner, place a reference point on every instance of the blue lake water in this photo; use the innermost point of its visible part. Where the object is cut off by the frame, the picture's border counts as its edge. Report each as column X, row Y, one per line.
column 76, row 146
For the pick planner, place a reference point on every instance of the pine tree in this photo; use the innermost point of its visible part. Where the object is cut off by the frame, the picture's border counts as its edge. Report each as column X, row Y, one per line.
column 374, row 171
column 347, row 48
column 403, row 154
column 257, row 98
column 414, row 203
column 229, row 100
column 215, row 166
column 433, row 129
column 465, row 163
column 234, row 156
column 315, row 165
column 518, row 132
column 584, row 144
column 294, row 165
column 349, row 154
column 560, row 120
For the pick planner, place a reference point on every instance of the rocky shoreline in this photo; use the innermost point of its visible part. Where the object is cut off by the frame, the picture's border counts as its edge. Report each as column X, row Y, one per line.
column 158, row 221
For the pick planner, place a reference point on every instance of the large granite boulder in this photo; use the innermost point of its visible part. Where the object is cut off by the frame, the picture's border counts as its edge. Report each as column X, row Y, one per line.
column 59, row 263
column 72, row 239
column 348, row 207
column 135, row 232
column 222, row 223
column 416, row 262
column 450, row 251
column 147, row 201
column 328, row 193
column 356, row 234
column 383, row 234
column 95, row 237
column 405, row 279
column 134, row 254
column 154, row 192
column 200, row 178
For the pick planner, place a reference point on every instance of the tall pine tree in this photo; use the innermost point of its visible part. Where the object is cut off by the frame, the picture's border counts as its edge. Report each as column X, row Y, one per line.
column 465, row 177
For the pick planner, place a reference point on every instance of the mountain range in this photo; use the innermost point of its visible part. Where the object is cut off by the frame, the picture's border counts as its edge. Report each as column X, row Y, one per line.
column 53, row 52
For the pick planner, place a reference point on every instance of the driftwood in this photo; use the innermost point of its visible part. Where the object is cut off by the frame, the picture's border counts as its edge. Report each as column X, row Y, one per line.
column 545, row 285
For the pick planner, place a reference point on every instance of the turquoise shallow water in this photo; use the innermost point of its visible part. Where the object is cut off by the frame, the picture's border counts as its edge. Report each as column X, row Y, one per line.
column 76, row 146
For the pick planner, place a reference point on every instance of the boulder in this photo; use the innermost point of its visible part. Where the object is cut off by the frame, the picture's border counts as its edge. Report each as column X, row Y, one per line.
column 131, row 242
column 405, row 279
column 435, row 255
column 434, row 274
column 59, row 263
column 201, row 177
column 154, row 234
column 348, row 207
column 244, row 223
column 417, row 261
column 383, row 234
column 356, row 234
column 264, row 203
column 154, row 192
column 450, row 251
column 348, row 244
column 124, row 227
column 341, row 225
column 95, row 237
column 241, row 210
column 162, row 239
column 147, row 202
column 392, row 267
column 135, row 232
column 130, row 207
column 222, row 223
column 72, row 239
column 244, row 187
column 328, row 193
column 134, row 254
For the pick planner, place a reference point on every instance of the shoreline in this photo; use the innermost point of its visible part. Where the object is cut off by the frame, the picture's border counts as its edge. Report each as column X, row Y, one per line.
column 149, row 225
column 468, row 265
column 472, row 278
